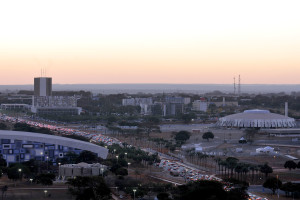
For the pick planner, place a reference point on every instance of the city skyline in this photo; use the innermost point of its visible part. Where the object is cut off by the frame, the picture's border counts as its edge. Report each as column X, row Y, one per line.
column 159, row 42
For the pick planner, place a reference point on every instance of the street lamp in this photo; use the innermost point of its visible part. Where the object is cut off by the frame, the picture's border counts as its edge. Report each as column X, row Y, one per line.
column 20, row 171
column 45, row 191
column 47, row 162
column 134, row 190
column 31, row 180
column 117, row 158
column 102, row 171
column 126, row 155
column 128, row 164
column 115, row 151
column 277, row 186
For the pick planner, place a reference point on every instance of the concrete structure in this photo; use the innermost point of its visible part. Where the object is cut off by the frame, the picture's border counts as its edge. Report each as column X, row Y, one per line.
column 177, row 100
column 257, row 119
column 55, row 105
column 81, row 169
column 17, row 146
column 225, row 103
column 200, row 105
column 137, row 101
column 15, row 106
column 42, row 86
column 174, row 105
column 144, row 103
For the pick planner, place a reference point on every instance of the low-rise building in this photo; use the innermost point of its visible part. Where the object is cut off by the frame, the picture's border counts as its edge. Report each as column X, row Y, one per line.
column 81, row 169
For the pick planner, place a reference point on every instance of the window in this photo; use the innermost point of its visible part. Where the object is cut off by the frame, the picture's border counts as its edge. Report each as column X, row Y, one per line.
column 6, row 146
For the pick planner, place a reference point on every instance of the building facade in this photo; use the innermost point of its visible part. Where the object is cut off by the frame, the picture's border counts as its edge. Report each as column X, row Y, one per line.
column 42, row 86
column 200, row 105
column 17, row 146
column 81, row 169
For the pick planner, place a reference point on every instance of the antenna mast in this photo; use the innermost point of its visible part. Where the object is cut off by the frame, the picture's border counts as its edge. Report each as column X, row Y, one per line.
column 239, row 85
column 234, row 87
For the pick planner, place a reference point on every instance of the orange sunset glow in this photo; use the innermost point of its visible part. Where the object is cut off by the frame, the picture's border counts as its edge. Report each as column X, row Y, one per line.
column 150, row 41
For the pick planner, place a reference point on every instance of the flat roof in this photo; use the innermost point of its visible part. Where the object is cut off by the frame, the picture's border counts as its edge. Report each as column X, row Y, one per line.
column 57, row 140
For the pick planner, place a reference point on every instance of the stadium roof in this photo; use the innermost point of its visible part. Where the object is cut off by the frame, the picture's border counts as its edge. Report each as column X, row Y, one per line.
column 258, row 119
column 57, row 140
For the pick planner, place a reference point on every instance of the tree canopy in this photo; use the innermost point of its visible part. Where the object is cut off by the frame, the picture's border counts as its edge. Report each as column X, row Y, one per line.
column 86, row 188
column 273, row 184
column 266, row 169
column 207, row 190
column 182, row 136
column 208, row 135
column 290, row 164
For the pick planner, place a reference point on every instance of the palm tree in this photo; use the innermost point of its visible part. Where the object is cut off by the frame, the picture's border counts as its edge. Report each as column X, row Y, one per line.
column 238, row 169
column 245, row 170
column 217, row 160
column 232, row 163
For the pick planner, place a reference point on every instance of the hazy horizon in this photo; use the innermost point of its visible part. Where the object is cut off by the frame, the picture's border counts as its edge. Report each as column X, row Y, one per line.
column 159, row 88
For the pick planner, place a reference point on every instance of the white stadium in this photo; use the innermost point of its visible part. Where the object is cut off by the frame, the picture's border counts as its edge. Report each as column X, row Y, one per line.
column 257, row 119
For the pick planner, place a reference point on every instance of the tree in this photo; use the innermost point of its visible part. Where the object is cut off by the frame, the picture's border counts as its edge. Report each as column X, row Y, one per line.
column 290, row 164
column 187, row 118
column 208, row 135
column 182, row 136
column 86, row 188
column 266, row 169
column 14, row 173
column 45, row 179
column 250, row 134
column 290, row 188
column 2, row 161
column 3, row 126
column 163, row 196
column 231, row 163
column 273, row 184
column 87, row 156
column 150, row 125
column 122, row 172
column 206, row 190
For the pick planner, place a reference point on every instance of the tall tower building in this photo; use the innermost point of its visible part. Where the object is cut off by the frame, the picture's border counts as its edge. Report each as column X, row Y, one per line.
column 42, row 86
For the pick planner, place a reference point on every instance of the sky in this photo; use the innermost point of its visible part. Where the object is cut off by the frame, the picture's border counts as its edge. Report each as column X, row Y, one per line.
column 157, row 41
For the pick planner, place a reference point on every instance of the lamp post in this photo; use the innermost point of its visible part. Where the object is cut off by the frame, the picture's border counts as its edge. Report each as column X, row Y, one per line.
column 45, row 191
column 47, row 162
column 128, row 165
column 134, row 190
column 117, row 158
column 20, row 171
column 41, row 161
column 277, row 186
column 102, row 171
column 31, row 180
column 125, row 155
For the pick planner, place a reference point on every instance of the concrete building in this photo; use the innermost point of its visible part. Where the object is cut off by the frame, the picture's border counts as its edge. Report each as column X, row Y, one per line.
column 42, row 86
column 15, row 106
column 55, row 105
column 177, row 100
column 226, row 103
column 18, row 146
column 137, row 101
column 81, row 169
column 144, row 103
column 200, row 105
column 174, row 105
